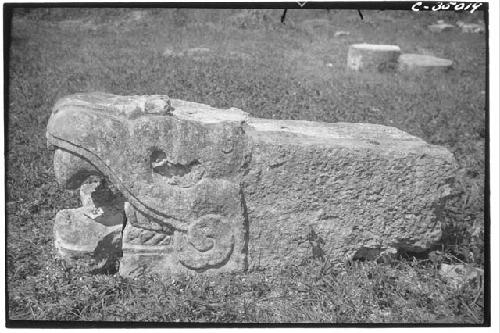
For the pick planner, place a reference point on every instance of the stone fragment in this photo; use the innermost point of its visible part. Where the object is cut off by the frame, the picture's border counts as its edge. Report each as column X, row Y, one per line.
column 197, row 52
column 168, row 52
column 86, row 193
column 372, row 57
column 459, row 274
column 77, row 234
column 92, row 231
column 471, row 27
column 137, row 15
column 423, row 62
column 239, row 55
column 341, row 33
column 440, row 27
column 211, row 190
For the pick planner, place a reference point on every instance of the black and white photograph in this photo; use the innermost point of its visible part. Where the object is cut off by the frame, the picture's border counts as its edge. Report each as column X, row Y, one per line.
column 249, row 164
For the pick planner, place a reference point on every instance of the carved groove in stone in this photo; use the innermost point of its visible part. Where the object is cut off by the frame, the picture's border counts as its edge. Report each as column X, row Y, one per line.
column 82, row 153
column 148, row 237
column 139, row 220
column 208, row 243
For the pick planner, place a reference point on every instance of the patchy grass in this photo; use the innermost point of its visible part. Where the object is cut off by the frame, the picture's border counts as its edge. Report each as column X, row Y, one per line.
column 403, row 291
column 283, row 75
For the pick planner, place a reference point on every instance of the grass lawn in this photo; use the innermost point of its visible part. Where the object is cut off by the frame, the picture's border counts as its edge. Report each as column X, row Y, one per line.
column 291, row 71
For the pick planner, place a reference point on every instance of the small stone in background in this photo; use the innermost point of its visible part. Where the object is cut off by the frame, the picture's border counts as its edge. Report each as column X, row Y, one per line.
column 341, row 33
column 458, row 275
column 169, row 52
column 471, row 27
column 239, row 55
column 197, row 51
column 439, row 27
column 86, row 193
column 137, row 15
column 372, row 57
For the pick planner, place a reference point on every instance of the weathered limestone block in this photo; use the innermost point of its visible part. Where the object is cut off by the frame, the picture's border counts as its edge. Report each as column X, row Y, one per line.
column 372, row 57
column 212, row 190
column 423, row 62
column 363, row 189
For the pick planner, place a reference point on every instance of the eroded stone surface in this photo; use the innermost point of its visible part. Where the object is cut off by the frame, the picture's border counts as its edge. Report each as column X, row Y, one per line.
column 372, row 57
column 212, row 190
column 94, row 230
column 459, row 274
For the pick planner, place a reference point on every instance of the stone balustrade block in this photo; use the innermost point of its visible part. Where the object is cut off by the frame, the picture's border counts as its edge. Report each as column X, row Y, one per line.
column 208, row 190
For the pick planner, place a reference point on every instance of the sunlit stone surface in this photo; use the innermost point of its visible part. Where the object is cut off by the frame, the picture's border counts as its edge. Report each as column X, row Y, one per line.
column 209, row 190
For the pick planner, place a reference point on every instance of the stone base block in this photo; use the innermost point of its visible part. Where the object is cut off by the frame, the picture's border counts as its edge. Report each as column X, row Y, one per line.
column 372, row 57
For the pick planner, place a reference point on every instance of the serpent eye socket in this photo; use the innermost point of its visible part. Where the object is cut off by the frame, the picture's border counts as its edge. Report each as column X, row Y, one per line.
column 157, row 159
column 160, row 164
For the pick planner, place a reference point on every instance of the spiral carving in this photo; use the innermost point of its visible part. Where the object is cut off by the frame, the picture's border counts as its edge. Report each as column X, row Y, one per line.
column 208, row 243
